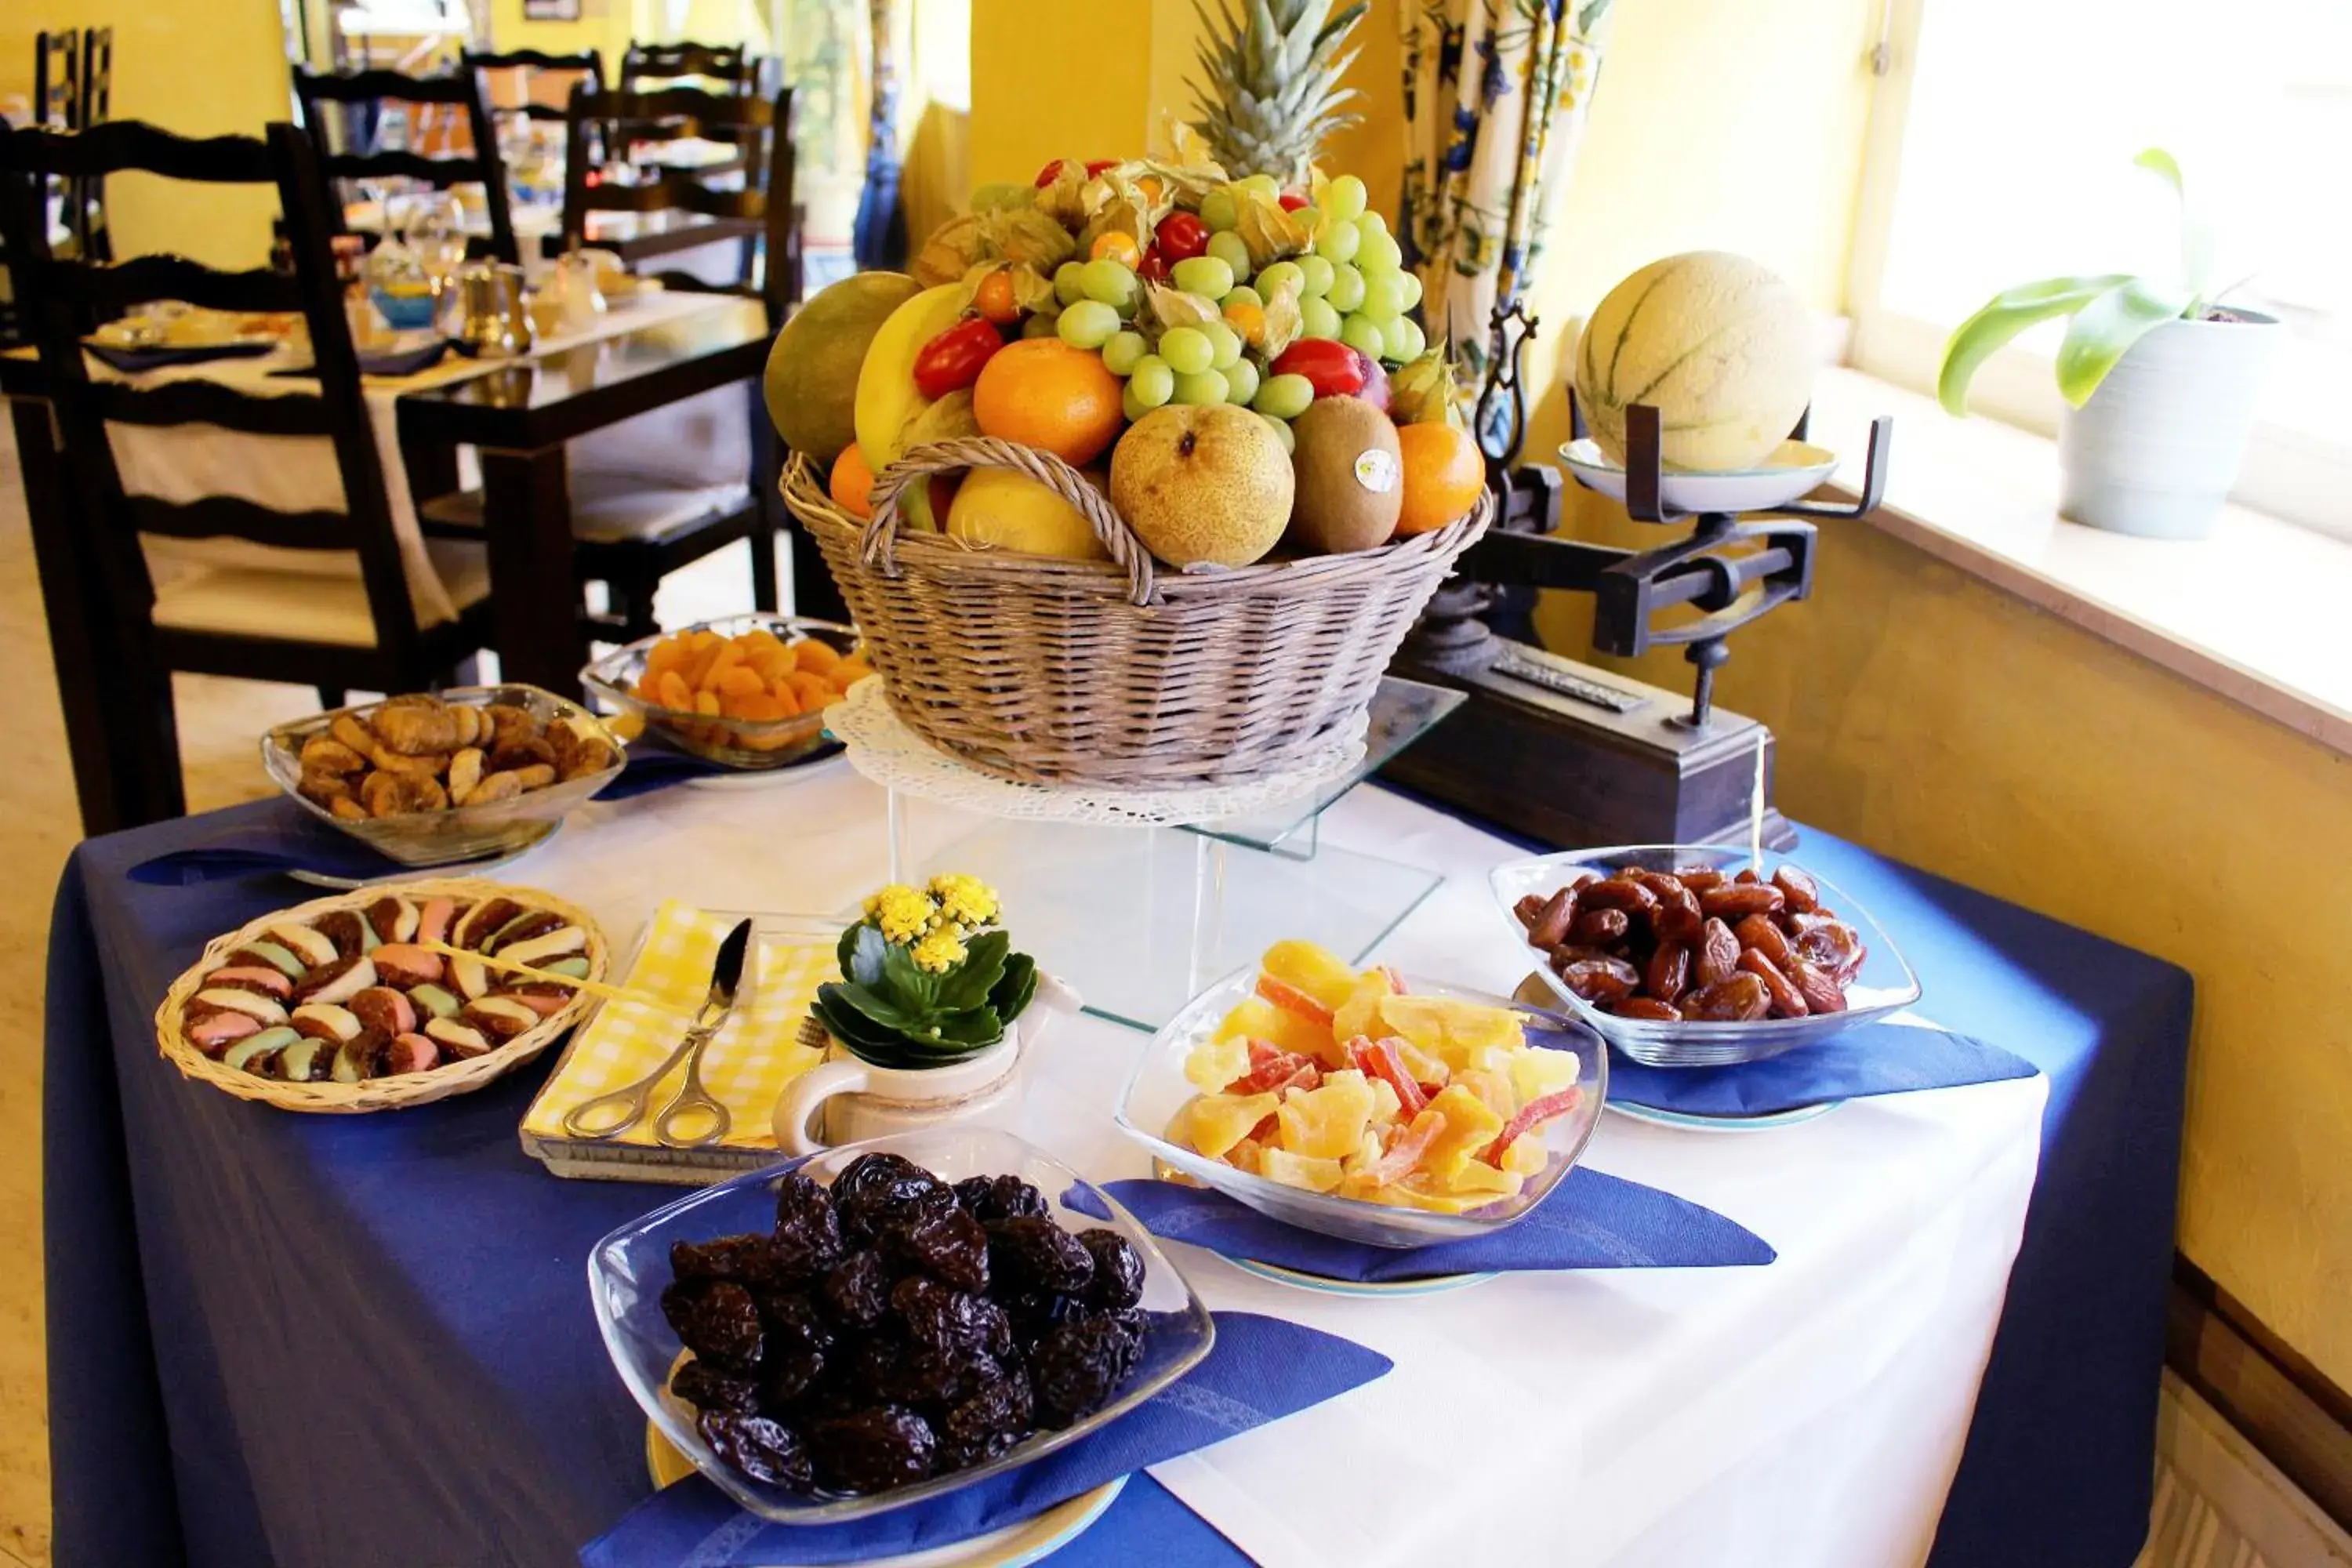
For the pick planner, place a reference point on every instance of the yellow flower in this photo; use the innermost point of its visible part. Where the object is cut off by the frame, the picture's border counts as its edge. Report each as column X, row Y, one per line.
column 940, row 952
column 965, row 901
column 902, row 913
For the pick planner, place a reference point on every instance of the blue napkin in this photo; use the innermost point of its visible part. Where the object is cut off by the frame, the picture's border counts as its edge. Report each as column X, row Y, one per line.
column 1590, row 1221
column 1261, row 1370
column 1874, row 1058
column 132, row 360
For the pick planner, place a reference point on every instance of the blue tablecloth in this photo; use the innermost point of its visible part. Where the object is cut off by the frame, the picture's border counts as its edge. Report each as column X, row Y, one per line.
column 361, row 1341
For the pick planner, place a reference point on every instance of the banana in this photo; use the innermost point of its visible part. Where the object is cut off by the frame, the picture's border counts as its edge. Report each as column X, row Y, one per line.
column 887, row 401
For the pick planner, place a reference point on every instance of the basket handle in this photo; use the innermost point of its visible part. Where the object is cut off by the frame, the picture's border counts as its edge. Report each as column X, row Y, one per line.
column 880, row 543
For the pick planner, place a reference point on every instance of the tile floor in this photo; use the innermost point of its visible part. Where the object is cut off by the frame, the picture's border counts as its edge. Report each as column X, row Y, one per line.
column 40, row 825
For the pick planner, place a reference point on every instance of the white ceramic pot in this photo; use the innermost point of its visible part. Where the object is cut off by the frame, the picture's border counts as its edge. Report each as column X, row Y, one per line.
column 846, row 1099
column 2157, row 448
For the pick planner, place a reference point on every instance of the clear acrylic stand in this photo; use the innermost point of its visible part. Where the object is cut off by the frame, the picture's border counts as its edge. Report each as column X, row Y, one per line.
column 1140, row 918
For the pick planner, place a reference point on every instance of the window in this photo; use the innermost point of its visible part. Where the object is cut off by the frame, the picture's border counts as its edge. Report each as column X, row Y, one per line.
column 2000, row 152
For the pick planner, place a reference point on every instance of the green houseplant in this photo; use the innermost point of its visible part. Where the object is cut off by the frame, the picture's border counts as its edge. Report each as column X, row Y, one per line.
column 929, row 979
column 2160, row 384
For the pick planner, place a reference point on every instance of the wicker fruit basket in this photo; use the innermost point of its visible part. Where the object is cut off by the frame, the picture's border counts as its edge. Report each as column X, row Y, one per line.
column 1117, row 674
column 377, row 1093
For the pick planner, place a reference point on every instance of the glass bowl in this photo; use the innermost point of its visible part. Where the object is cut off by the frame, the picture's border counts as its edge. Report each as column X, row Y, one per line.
column 1884, row 984
column 1158, row 1089
column 746, row 743
column 458, row 833
column 629, row 1270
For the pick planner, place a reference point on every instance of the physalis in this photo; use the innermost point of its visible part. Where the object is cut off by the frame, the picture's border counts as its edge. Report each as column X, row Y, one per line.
column 1336, row 1081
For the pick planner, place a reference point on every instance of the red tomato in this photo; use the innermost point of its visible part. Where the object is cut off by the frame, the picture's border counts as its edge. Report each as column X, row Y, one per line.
column 1291, row 201
column 952, row 361
column 1096, row 166
column 1049, row 173
column 1183, row 235
column 1337, row 370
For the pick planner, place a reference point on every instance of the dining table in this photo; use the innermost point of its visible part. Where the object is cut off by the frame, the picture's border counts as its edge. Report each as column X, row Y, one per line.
column 520, row 414
column 284, row 1338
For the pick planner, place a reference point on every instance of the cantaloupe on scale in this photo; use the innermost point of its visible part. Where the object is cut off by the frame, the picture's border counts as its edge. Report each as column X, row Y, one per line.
column 1717, row 343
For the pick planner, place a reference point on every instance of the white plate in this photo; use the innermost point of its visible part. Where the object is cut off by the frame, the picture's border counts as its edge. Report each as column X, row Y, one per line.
column 1793, row 469
column 410, row 873
column 1323, row 1284
column 1014, row 1546
column 1689, row 1122
column 767, row 778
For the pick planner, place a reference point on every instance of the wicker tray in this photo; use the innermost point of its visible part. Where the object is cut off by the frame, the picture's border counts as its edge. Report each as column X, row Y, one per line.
column 1122, row 673
column 378, row 1093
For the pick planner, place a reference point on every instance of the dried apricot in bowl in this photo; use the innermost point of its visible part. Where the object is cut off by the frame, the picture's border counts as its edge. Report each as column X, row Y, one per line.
column 746, row 691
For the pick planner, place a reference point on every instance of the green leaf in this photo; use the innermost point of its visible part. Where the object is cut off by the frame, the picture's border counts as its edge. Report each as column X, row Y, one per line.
column 905, row 983
column 849, row 1025
column 887, row 1014
column 983, row 965
column 860, row 954
column 2162, row 164
column 1013, row 993
column 2007, row 314
column 2103, row 330
column 974, row 1027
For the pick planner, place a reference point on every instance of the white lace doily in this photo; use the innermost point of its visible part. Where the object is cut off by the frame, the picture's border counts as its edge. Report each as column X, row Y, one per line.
column 893, row 756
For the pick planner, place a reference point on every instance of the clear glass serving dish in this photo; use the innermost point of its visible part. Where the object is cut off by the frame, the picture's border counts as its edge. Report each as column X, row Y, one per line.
column 458, row 833
column 629, row 1269
column 1884, row 984
column 1158, row 1090
column 747, row 743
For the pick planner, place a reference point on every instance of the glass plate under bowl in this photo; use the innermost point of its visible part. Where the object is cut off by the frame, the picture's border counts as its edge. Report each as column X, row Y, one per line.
column 1158, row 1089
column 629, row 1270
column 746, row 743
column 1884, row 983
column 458, row 833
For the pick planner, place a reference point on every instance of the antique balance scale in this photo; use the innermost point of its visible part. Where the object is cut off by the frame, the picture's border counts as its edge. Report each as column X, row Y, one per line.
column 1145, row 903
column 1573, row 754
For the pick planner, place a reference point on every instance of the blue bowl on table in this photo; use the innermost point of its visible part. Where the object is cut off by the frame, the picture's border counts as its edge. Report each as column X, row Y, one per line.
column 405, row 312
column 629, row 1269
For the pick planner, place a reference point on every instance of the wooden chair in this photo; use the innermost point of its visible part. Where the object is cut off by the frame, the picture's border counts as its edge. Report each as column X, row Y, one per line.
column 239, row 618
column 726, row 70
column 587, row 67
column 361, row 97
column 762, row 213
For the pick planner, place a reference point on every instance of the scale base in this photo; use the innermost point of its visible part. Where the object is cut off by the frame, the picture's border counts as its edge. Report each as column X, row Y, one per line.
column 1577, row 756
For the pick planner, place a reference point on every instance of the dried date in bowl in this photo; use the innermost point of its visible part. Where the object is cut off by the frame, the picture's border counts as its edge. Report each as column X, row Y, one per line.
column 1696, row 928
column 938, row 1356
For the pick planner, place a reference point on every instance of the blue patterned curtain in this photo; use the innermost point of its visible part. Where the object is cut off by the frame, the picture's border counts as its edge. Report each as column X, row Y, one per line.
column 1496, row 93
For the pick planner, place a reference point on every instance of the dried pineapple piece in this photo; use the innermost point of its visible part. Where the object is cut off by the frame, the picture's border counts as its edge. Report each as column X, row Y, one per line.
column 1301, row 1171
column 1492, row 1087
column 1456, row 1031
column 1327, row 1122
column 1386, row 1106
column 1310, row 969
column 1527, row 1156
column 1477, row 1178
column 1256, row 1018
column 1214, row 1064
column 1536, row 1072
column 1218, row 1121
column 1470, row 1125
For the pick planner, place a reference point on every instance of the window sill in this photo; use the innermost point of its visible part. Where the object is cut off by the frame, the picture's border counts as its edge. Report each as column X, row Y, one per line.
column 2249, row 614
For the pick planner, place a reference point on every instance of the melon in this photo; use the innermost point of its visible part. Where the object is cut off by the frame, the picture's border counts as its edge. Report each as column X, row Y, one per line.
column 810, row 382
column 1717, row 343
column 997, row 508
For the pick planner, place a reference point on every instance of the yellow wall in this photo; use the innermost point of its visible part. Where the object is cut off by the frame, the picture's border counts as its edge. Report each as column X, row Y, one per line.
column 201, row 69
column 604, row 25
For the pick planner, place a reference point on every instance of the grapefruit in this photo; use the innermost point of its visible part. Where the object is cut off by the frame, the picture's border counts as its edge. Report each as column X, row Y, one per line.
column 811, row 383
column 1717, row 343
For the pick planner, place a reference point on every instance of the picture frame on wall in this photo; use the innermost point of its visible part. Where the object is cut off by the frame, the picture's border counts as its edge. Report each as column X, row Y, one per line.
column 551, row 10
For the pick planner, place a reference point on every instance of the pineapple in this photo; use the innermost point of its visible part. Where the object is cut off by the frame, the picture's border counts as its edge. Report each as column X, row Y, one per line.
column 1274, row 88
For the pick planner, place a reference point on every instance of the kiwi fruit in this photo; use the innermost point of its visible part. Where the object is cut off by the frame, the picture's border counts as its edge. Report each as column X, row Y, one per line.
column 1351, row 477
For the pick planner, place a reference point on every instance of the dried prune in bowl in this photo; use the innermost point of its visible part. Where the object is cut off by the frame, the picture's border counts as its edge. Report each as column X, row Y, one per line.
column 702, row 1385
column 935, row 1314
column 807, row 1237
column 1000, row 1197
column 749, row 1260
column 856, row 1291
column 1038, row 1254
column 763, row 1450
column 950, row 1246
column 872, row 1450
column 1075, row 1370
column 1118, row 1270
column 716, row 1318
column 794, row 1326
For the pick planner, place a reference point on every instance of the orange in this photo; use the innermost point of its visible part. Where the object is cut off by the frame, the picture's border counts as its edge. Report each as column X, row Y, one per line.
column 852, row 482
column 1443, row 473
column 1045, row 393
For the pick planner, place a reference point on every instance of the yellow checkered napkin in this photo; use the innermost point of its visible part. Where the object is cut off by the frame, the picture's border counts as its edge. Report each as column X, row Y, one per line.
column 747, row 1066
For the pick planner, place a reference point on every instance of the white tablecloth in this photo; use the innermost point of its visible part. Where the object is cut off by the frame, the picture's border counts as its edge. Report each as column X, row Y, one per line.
column 702, row 441
column 1808, row 1414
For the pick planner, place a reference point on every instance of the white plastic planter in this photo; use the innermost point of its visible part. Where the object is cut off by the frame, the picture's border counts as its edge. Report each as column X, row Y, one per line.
column 2157, row 448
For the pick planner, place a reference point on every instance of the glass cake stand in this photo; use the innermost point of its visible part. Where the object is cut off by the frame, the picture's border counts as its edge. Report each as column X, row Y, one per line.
column 1139, row 917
